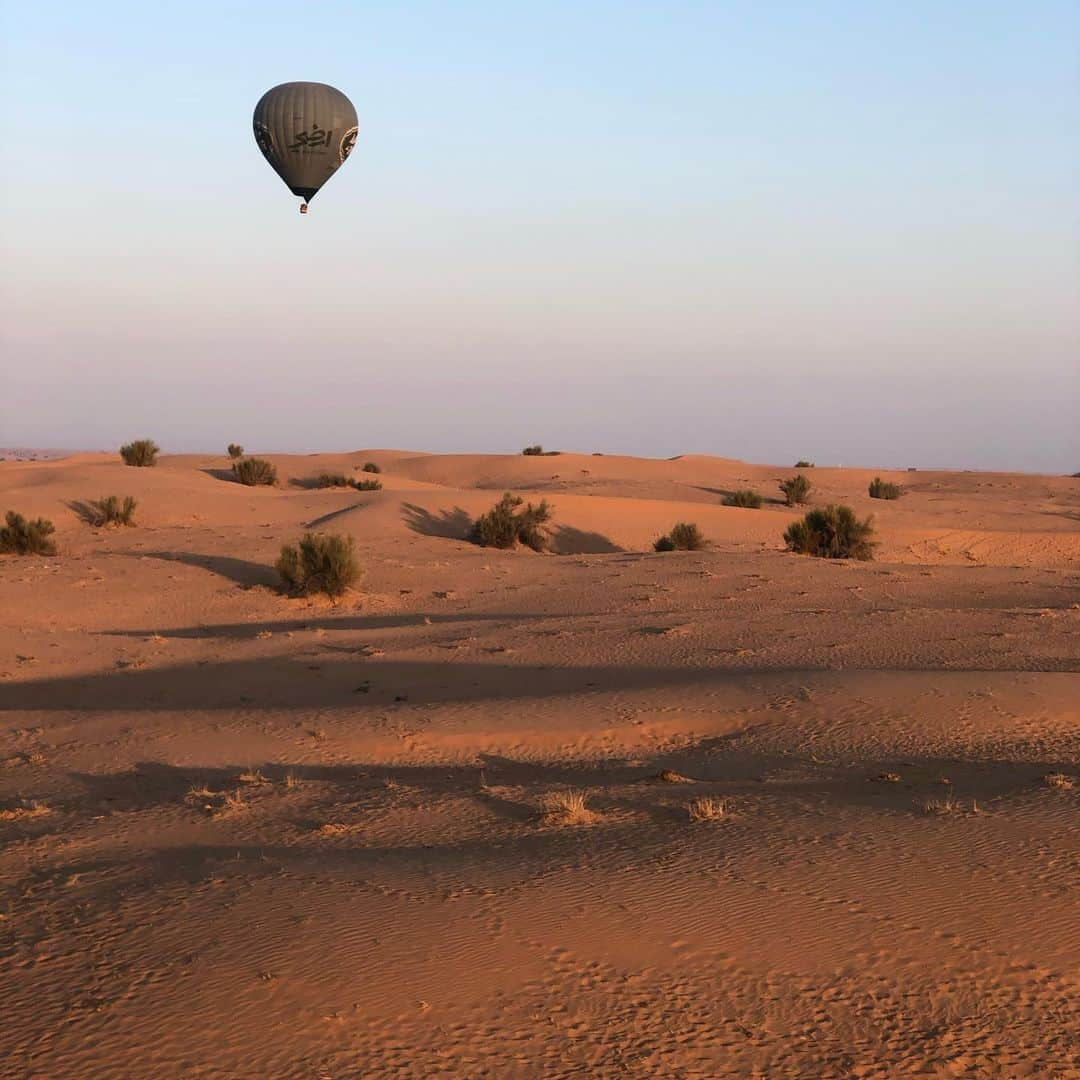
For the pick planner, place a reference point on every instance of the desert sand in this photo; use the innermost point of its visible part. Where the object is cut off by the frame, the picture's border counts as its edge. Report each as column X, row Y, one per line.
column 246, row 835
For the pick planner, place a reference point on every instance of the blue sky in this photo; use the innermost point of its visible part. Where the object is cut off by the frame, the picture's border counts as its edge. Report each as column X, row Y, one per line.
column 845, row 231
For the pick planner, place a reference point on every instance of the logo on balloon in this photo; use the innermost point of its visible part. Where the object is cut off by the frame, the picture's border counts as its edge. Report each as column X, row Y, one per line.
column 348, row 141
column 308, row 141
column 264, row 138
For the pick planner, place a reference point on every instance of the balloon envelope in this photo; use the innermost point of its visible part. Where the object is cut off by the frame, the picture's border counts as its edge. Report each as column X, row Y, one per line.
column 306, row 131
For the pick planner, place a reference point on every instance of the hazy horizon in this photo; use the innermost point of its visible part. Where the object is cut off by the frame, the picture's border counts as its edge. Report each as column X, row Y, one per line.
column 842, row 234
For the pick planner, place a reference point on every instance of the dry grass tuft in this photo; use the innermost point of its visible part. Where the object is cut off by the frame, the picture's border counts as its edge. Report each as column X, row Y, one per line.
column 941, row 807
column 888, row 777
column 566, row 808
column 336, row 828
column 670, row 776
column 1059, row 780
column 31, row 808
column 231, row 800
column 215, row 802
column 292, row 782
column 252, row 776
column 706, row 808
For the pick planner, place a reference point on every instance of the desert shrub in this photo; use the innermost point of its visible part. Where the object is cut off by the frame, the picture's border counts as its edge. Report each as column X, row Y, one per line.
column 832, row 532
column 111, row 510
column 882, row 489
column 795, row 489
column 504, row 525
column 331, row 480
column 141, row 453
column 320, row 562
column 22, row 537
column 366, row 485
column 804, row 464
column 255, row 472
column 370, row 466
column 533, row 451
column 744, row 497
column 235, row 450
column 684, row 536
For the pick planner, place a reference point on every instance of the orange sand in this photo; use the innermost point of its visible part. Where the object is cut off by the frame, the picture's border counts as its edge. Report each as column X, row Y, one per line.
column 243, row 835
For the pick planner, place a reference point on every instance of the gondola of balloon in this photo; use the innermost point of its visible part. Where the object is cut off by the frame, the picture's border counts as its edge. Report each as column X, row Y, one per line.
column 305, row 130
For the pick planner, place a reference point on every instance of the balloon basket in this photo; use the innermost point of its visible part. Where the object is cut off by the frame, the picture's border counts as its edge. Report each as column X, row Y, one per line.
column 303, row 208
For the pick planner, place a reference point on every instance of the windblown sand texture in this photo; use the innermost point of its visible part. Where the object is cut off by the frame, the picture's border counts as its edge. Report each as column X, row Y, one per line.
column 599, row 813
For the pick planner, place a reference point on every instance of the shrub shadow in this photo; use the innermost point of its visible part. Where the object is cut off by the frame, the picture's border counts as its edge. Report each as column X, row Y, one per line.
column 85, row 512
column 241, row 571
column 222, row 474
column 566, row 540
column 453, row 524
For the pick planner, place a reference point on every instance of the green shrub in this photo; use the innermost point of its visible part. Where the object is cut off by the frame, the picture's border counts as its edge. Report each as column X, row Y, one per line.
column 832, row 532
column 533, row 451
column 255, row 472
column 366, row 485
column 22, row 537
column 881, row 489
column 804, row 464
column 320, row 563
column 112, row 511
column 504, row 525
column 744, row 497
column 370, row 466
column 684, row 536
column 141, row 453
column 235, row 450
column 331, row 480
column 795, row 489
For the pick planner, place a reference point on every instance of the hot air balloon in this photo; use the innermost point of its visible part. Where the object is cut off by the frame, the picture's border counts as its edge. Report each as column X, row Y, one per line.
column 306, row 131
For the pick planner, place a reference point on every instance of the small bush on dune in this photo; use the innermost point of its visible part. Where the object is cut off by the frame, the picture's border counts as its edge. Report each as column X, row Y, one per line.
column 795, row 490
column 881, row 489
column 255, row 472
column 320, row 563
column 747, row 499
column 832, row 532
column 331, row 480
column 339, row 480
column 111, row 510
column 804, row 464
column 235, row 450
column 141, row 453
column 685, row 536
column 370, row 466
column 533, row 451
column 505, row 525
column 22, row 537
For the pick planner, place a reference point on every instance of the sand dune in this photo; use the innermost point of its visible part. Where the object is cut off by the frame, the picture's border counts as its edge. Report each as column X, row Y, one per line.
column 245, row 835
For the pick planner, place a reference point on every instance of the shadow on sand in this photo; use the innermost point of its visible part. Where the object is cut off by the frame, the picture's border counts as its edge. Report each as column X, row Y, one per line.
column 453, row 524
column 241, row 571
